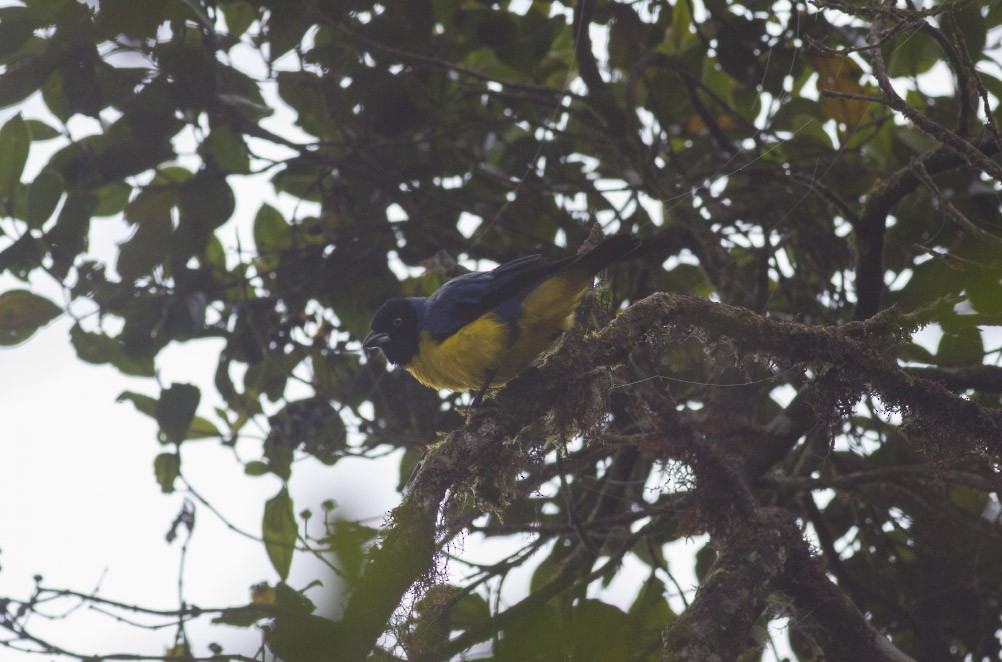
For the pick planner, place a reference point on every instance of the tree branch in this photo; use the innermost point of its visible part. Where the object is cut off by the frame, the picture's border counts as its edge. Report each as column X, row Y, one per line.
column 477, row 459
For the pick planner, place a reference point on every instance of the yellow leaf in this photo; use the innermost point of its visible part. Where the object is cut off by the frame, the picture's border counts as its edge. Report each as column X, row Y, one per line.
column 697, row 125
column 841, row 74
column 180, row 651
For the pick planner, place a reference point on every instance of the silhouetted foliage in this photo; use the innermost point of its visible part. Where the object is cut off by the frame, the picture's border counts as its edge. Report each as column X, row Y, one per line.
column 814, row 183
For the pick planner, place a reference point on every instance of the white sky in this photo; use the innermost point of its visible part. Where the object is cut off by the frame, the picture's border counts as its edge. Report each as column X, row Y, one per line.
column 80, row 505
column 79, row 501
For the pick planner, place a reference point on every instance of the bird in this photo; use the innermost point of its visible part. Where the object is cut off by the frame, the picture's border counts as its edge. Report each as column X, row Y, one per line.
column 481, row 329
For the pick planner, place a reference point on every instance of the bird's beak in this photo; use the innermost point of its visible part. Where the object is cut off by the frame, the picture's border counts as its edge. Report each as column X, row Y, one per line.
column 375, row 340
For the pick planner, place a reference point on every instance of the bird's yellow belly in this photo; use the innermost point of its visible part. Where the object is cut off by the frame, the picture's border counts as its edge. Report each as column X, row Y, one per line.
column 547, row 312
column 464, row 360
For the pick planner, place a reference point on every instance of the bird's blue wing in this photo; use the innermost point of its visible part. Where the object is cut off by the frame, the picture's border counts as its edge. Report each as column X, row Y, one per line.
column 467, row 297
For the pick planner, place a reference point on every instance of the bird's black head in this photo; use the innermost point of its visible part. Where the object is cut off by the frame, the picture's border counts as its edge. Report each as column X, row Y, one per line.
column 395, row 331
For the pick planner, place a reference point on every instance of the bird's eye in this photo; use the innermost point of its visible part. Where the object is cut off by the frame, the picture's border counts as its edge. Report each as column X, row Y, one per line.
column 398, row 322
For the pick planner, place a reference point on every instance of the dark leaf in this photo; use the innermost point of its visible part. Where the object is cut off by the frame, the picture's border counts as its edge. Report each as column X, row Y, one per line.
column 961, row 346
column 17, row 24
column 272, row 233
column 279, row 460
column 304, row 638
column 143, row 403
column 43, row 197
column 22, row 313
column 99, row 348
column 228, row 150
column 176, row 410
column 23, row 78
column 112, row 198
column 256, row 468
column 39, row 130
column 471, row 611
column 15, row 141
column 167, row 467
column 239, row 16
column 68, row 238
column 22, row 256
column 278, row 529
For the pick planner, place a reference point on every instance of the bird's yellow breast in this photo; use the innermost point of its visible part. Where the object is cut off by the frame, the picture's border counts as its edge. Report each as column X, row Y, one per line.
column 461, row 362
column 464, row 360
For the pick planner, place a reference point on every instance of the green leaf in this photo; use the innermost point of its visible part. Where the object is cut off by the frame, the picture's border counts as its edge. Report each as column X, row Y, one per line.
column 154, row 202
column 139, row 19
column 98, row 348
column 150, row 211
column 271, row 233
column 279, row 460
column 112, row 198
column 22, row 313
column 537, row 635
column 470, row 611
column 278, row 529
column 986, row 295
column 650, row 613
column 167, row 467
column 302, row 180
column 597, row 631
column 68, row 237
column 687, row 278
column 228, row 149
column 17, row 83
column 796, row 113
column 304, row 92
column 15, row 141
column 17, row 24
column 22, row 256
column 204, row 204
column 202, row 428
column 55, row 97
column 349, row 541
column 969, row 498
column 43, row 197
column 239, row 16
column 57, row 10
column 914, row 352
column 144, row 404
column 215, row 254
column 289, row 601
column 912, row 53
column 962, row 346
column 973, row 29
column 41, row 131
column 681, row 21
column 256, row 468
column 176, row 410
column 543, row 573
column 304, row 638
column 139, row 255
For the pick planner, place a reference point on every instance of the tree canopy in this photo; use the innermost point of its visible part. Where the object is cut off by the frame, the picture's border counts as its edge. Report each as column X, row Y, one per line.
column 801, row 362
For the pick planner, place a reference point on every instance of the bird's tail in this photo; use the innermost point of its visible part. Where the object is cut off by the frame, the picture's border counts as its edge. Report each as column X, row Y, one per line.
column 610, row 250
